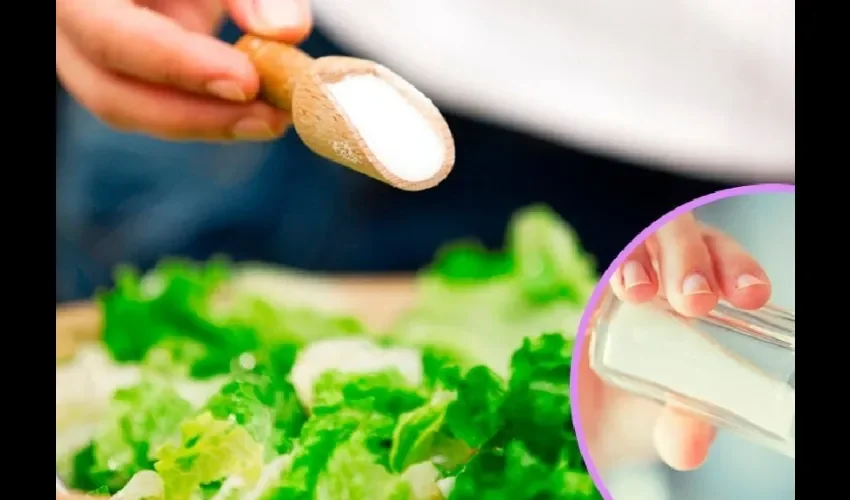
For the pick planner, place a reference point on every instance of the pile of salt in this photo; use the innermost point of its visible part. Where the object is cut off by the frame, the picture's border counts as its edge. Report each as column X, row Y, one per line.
column 396, row 133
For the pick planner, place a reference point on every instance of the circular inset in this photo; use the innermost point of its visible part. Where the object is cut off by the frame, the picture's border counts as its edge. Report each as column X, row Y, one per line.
column 691, row 330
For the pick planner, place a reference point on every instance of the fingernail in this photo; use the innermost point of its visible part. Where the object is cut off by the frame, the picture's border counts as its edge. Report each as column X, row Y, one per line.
column 227, row 90
column 748, row 280
column 634, row 275
column 252, row 129
column 695, row 284
column 279, row 14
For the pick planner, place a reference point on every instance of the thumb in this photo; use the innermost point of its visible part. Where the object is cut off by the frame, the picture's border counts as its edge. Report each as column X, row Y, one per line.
column 289, row 21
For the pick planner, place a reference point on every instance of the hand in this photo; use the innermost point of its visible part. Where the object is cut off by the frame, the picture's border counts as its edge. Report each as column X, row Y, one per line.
column 693, row 266
column 152, row 66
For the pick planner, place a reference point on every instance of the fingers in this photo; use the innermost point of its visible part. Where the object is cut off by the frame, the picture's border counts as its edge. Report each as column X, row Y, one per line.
column 141, row 43
column 685, row 266
column 160, row 111
column 285, row 20
column 695, row 266
column 740, row 278
column 682, row 441
column 636, row 281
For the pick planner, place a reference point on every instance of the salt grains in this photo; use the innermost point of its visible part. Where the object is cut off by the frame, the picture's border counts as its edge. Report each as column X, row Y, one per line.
column 396, row 133
column 653, row 346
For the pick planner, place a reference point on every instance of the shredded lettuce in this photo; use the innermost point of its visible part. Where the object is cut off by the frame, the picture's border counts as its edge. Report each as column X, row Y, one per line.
column 207, row 452
column 140, row 418
column 529, row 448
column 493, row 299
column 312, row 406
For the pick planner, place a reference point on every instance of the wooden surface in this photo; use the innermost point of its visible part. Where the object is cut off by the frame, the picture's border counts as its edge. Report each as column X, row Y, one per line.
column 375, row 300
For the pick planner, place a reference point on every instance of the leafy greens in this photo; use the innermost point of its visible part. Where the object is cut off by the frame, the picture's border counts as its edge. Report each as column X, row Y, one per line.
column 476, row 419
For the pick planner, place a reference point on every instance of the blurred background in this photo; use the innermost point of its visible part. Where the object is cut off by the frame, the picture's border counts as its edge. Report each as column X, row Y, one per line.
column 736, row 469
column 612, row 112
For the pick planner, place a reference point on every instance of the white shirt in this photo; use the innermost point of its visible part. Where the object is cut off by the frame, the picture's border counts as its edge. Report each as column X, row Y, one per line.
column 702, row 87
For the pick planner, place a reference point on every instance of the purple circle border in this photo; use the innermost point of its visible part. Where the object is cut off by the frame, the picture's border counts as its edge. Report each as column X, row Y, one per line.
column 579, row 349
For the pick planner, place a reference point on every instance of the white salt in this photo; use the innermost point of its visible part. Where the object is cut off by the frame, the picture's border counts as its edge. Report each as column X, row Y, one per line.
column 395, row 132
column 656, row 347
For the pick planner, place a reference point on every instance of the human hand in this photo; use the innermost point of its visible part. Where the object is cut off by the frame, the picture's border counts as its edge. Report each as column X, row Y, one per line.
column 152, row 66
column 692, row 266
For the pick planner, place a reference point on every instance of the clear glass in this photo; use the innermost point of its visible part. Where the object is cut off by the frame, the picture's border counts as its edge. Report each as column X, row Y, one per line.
column 733, row 368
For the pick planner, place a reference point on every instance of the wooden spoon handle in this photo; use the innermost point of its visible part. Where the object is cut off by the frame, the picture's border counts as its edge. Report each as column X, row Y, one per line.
column 278, row 64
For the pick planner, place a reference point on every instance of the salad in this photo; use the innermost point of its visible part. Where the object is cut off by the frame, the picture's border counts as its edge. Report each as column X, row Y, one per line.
column 197, row 391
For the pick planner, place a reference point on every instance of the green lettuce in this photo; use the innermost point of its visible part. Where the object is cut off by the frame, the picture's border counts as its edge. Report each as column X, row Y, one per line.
column 208, row 452
column 538, row 283
column 491, row 419
column 533, row 452
column 141, row 418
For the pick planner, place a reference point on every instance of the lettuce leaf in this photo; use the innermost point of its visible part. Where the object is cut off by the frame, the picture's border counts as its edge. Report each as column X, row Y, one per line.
column 268, row 409
column 141, row 418
column 207, row 452
column 173, row 302
column 481, row 304
column 514, row 473
column 534, row 453
column 183, row 314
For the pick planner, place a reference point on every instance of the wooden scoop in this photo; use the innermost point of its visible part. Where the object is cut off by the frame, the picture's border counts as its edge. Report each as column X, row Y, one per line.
column 293, row 81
